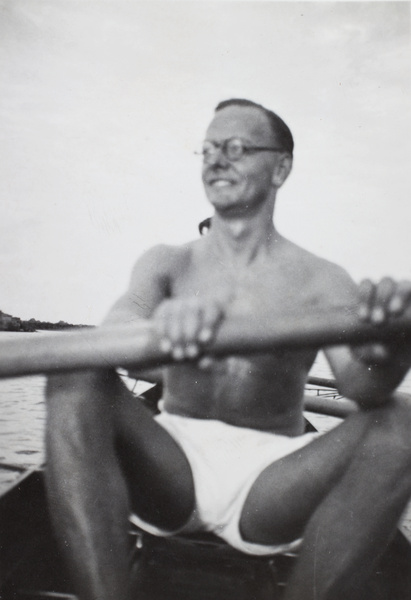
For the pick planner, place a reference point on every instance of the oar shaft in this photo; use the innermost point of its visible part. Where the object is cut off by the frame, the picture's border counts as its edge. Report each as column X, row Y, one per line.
column 137, row 345
column 79, row 349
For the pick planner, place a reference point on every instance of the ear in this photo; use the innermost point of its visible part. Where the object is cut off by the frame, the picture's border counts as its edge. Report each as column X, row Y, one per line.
column 282, row 170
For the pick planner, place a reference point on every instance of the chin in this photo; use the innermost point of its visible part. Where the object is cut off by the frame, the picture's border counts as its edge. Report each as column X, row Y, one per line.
column 223, row 206
column 221, row 198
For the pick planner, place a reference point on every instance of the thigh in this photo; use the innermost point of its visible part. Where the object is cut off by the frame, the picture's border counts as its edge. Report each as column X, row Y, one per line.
column 287, row 492
column 97, row 425
column 157, row 471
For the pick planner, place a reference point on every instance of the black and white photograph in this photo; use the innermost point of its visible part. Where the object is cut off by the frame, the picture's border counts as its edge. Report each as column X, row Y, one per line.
column 205, row 300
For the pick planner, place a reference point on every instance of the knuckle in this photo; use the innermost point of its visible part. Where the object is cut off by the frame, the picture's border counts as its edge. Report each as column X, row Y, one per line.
column 366, row 290
column 387, row 281
column 385, row 289
column 366, row 284
column 386, row 285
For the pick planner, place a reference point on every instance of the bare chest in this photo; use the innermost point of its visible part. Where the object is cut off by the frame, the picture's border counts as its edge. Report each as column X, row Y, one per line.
column 272, row 288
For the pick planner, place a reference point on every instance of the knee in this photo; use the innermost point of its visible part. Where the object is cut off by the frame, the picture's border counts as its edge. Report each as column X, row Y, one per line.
column 393, row 423
column 75, row 382
column 80, row 390
column 59, row 384
column 78, row 402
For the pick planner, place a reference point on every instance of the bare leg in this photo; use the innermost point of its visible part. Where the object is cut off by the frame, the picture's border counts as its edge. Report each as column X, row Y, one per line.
column 351, row 486
column 107, row 456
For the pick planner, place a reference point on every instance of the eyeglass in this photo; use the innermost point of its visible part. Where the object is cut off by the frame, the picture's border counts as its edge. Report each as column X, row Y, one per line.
column 233, row 149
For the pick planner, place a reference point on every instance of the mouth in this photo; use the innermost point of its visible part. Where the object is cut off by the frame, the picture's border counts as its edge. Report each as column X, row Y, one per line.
column 220, row 183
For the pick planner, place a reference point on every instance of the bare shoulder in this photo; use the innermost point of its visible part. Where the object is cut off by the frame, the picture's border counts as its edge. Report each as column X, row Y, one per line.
column 162, row 260
column 150, row 283
column 332, row 282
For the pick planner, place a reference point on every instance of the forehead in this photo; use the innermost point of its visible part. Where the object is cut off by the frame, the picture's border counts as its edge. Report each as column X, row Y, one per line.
column 247, row 122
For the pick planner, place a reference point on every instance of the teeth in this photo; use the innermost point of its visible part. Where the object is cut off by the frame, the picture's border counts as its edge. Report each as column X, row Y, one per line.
column 221, row 183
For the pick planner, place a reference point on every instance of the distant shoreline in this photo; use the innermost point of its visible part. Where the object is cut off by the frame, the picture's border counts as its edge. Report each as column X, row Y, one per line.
column 11, row 323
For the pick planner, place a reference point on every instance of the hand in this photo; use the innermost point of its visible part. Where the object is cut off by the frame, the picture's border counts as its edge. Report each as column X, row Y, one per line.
column 185, row 325
column 380, row 303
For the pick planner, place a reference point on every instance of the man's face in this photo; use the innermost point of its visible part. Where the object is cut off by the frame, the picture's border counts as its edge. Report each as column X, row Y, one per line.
column 236, row 187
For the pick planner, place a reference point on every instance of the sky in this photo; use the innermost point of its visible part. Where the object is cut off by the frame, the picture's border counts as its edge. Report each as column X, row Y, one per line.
column 102, row 104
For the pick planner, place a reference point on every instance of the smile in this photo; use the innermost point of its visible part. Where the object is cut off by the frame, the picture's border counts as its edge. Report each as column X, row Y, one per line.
column 221, row 183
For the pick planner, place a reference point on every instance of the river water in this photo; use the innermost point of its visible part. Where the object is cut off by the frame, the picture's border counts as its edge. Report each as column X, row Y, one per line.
column 23, row 415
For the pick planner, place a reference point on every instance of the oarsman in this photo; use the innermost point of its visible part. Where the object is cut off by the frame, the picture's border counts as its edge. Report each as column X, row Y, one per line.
column 228, row 452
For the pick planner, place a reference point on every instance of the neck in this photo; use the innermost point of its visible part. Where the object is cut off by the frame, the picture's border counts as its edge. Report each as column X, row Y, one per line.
column 242, row 240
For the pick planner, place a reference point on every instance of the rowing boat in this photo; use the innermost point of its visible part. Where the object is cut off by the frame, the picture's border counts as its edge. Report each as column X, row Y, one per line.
column 180, row 568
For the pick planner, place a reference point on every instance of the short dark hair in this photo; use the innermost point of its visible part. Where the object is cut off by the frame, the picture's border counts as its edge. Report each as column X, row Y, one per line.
column 279, row 128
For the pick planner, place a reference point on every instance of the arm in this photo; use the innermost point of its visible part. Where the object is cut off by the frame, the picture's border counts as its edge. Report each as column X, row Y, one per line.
column 149, row 286
column 184, row 323
column 370, row 373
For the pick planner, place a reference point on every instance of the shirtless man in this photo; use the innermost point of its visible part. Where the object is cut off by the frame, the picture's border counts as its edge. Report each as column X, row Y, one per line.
column 228, row 452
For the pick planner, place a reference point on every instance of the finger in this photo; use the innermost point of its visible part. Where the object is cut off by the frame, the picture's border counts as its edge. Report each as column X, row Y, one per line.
column 174, row 327
column 401, row 299
column 183, row 322
column 177, row 352
column 165, row 345
column 192, row 350
column 160, row 320
column 205, row 363
column 167, row 321
column 212, row 315
column 191, row 322
column 384, row 292
column 190, row 326
column 366, row 292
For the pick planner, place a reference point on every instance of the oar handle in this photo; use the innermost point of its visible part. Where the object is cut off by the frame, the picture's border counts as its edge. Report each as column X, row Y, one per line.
column 137, row 344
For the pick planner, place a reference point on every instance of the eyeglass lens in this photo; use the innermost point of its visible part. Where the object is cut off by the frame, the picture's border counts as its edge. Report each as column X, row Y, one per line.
column 232, row 149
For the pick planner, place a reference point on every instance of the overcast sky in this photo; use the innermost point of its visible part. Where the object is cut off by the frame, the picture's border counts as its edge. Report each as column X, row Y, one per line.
column 103, row 103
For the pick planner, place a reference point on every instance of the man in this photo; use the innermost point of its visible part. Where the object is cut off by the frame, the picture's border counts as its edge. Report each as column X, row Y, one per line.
column 228, row 453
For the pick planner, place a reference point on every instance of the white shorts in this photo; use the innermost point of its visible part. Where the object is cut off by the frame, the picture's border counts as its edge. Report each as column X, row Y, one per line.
column 225, row 462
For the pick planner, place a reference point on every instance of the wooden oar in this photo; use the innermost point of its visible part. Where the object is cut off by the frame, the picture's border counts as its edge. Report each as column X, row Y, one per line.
column 137, row 344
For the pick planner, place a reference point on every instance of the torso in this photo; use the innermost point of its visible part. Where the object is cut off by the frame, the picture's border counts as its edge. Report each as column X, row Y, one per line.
column 263, row 391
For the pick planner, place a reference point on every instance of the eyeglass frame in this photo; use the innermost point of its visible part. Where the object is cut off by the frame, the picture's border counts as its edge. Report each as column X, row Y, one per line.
column 223, row 146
